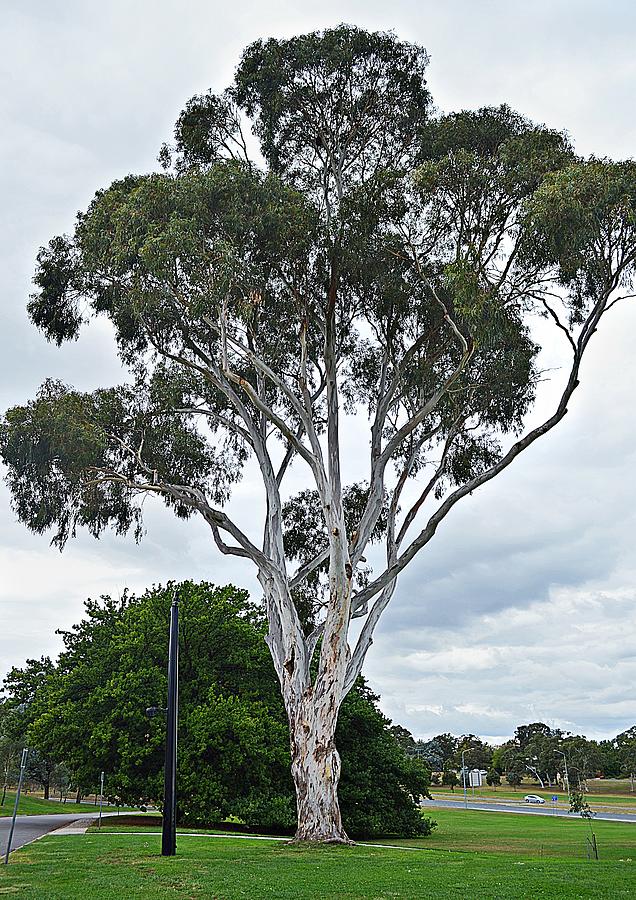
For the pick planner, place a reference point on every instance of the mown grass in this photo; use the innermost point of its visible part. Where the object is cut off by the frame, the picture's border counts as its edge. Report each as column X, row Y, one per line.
column 499, row 833
column 513, row 834
column 34, row 806
column 129, row 865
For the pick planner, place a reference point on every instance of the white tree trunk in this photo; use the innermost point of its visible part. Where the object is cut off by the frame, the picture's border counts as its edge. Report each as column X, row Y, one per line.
column 315, row 769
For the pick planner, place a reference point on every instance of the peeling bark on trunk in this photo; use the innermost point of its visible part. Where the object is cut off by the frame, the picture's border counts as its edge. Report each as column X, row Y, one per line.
column 316, row 772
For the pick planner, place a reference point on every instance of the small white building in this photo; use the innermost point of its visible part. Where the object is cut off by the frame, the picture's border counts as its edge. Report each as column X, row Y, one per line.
column 476, row 777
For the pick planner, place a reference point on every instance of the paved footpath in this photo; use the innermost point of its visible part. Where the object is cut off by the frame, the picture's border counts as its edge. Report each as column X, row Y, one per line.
column 29, row 828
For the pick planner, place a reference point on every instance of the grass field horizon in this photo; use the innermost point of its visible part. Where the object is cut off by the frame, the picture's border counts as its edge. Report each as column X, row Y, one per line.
column 31, row 805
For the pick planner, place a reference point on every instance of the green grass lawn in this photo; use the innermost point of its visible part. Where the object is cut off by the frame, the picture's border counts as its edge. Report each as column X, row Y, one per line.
column 470, row 854
column 129, row 866
column 542, row 836
column 34, row 806
column 500, row 833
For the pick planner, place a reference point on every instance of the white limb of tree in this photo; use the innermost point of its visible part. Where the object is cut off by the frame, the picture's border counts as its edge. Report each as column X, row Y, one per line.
column 381, row 258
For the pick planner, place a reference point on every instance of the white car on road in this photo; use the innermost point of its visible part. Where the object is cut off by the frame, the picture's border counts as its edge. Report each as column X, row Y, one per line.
column 533, row 798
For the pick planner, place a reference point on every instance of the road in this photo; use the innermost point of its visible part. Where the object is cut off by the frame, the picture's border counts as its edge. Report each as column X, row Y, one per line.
column 526, row 809
column 28, row 828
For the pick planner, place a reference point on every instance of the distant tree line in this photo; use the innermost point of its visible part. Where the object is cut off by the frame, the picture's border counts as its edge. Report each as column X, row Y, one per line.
column 85, row 713
column 536, row 751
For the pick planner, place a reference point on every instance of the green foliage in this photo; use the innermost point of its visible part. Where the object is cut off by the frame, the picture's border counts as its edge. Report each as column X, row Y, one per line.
column 25, row 689
column 380, row 787
column 10, row 748
column 82, row 460
column 342, row 93
column 449, row 777
column 403, row 736
column 431, row 752
column 583, row 220
column 447, row 744
column 584, row 759
column 626, row 746
column 610, row 759
column 114, row 667
column 537, row 746
column 477, row 753
column 236, row 762
column 578, row 804
column 207, row 127
column 525, row 734
column 70, row 466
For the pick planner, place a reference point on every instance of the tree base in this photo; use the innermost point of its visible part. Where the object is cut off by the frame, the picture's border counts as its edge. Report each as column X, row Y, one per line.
column 322, row 842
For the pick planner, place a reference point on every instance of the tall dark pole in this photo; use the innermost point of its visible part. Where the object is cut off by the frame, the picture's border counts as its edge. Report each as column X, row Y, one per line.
column 25, row 754
column 101, row 797
column 169, row 833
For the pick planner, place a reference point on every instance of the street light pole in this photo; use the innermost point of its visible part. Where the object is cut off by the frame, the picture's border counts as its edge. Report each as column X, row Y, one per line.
column 169, row 831
column 101, row 797
column 23, row 763
column 464, row 779
column 567, row 777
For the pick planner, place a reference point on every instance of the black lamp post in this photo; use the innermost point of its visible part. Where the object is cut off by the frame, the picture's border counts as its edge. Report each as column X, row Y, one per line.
column 169, row 830
column 169, row 835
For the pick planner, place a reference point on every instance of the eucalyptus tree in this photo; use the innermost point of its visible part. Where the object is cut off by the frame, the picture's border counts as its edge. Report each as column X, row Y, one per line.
column 369, row 255
column 22, row 689
column 10, row 748
column 625, row 744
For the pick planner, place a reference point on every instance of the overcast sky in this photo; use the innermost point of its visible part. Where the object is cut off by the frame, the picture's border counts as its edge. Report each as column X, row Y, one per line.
column 522, row 608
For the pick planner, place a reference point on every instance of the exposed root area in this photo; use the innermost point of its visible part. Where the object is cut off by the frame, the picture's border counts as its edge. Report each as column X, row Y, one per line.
column 326, row 842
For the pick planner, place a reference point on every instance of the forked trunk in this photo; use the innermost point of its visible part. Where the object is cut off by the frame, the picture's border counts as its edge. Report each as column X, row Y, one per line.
column 316, row 771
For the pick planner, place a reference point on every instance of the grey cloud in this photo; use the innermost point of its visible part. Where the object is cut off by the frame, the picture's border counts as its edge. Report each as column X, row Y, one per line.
column 561, row 661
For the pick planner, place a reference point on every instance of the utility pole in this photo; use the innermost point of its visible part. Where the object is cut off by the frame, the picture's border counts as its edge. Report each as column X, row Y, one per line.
column 567, row 777
column 464, row 779
column 23, row 763
column 169, row 832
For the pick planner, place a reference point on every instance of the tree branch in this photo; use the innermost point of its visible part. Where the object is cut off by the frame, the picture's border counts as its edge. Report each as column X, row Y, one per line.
column 308, row 567
column 393, row 570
